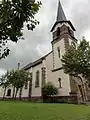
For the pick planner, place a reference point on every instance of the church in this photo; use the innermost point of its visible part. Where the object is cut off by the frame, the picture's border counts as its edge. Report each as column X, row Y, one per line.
column 49, row 67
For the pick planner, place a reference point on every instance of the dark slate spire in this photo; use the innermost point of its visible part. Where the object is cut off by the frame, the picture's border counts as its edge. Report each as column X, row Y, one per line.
column 60, row 14
column 61, row 17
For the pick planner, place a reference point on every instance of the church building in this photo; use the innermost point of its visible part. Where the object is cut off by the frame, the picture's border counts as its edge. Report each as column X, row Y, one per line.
column 49, row 67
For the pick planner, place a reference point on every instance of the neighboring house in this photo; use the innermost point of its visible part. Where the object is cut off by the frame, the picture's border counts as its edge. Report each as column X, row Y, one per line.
column 49, row 67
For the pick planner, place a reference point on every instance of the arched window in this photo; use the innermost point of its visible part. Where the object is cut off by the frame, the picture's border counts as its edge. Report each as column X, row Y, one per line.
column 59, row 80
column 58, row 31
column 9, row 92
column 37, row 79
column 43, row 76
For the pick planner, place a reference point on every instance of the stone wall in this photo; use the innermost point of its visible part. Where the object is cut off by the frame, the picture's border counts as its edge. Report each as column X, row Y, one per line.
column 73, row 99
column 62, row 99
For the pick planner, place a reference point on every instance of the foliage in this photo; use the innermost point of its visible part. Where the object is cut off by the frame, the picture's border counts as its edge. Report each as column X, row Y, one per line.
column 77, row 59
column 17, row 79
column 4, row 82
column 49, row 89
column 14, row 14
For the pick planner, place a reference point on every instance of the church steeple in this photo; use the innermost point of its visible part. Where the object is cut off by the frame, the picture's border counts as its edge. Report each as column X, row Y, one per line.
column 63, row 36
column 61, row 18
column 60, row 13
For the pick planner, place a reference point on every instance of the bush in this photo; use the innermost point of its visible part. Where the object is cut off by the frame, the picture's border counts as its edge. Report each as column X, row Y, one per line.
column 49, row 90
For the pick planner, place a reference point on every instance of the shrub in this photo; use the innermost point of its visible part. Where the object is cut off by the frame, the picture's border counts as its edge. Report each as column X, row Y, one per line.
column 49, row 90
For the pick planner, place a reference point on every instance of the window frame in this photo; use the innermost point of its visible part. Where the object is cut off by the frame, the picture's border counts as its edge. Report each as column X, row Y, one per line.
column 60, row 84
column 58, row 50
column 43, row 76
column 37, row 81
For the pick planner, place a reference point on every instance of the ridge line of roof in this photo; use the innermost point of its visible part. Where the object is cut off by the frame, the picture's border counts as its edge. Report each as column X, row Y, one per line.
column 36, row 62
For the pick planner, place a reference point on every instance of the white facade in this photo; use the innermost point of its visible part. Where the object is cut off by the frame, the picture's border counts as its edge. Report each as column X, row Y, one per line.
column 51, row 62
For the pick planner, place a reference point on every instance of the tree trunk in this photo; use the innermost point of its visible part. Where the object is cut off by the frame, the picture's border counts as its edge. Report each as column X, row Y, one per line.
column 30, row 88
column 4, row 93
column 16, row 93
column 13, row 93
column 20, row 94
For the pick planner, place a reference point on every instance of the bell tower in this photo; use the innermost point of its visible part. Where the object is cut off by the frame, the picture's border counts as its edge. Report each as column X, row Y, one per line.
column 62, row 36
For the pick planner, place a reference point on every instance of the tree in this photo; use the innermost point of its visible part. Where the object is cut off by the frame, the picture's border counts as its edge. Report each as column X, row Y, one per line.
column 25, row 77
column 30, row 87
column 76, row 60
column 14, row 14
column 49, row 89
column 18, row 79
column 4, row 82
column 12, row 80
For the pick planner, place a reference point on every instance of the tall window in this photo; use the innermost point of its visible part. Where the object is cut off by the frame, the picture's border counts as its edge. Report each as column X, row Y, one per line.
column 43, row 76
column 59, row 80
column 37, row 79
column 9, row 92
column 58, row 49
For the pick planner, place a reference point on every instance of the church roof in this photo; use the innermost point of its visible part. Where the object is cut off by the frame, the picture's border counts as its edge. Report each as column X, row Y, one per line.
column 37, row 62
column 60, row 13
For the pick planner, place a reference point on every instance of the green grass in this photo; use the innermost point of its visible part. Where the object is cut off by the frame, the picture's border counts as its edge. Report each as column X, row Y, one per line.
column 35, row 111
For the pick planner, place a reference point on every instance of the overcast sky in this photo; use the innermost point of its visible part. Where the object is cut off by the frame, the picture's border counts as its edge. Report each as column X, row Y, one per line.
column 37, row 43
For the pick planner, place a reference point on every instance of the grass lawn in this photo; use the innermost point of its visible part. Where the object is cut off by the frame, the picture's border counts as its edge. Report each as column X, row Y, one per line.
column 35, row 111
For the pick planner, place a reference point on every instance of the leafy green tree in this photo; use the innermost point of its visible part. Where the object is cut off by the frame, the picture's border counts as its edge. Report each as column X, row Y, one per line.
column 18, row 79
column 25, row 77
column 12, row 79
column 4, row 82
column 30, row 87
column 76, row 60
column 14, row 14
